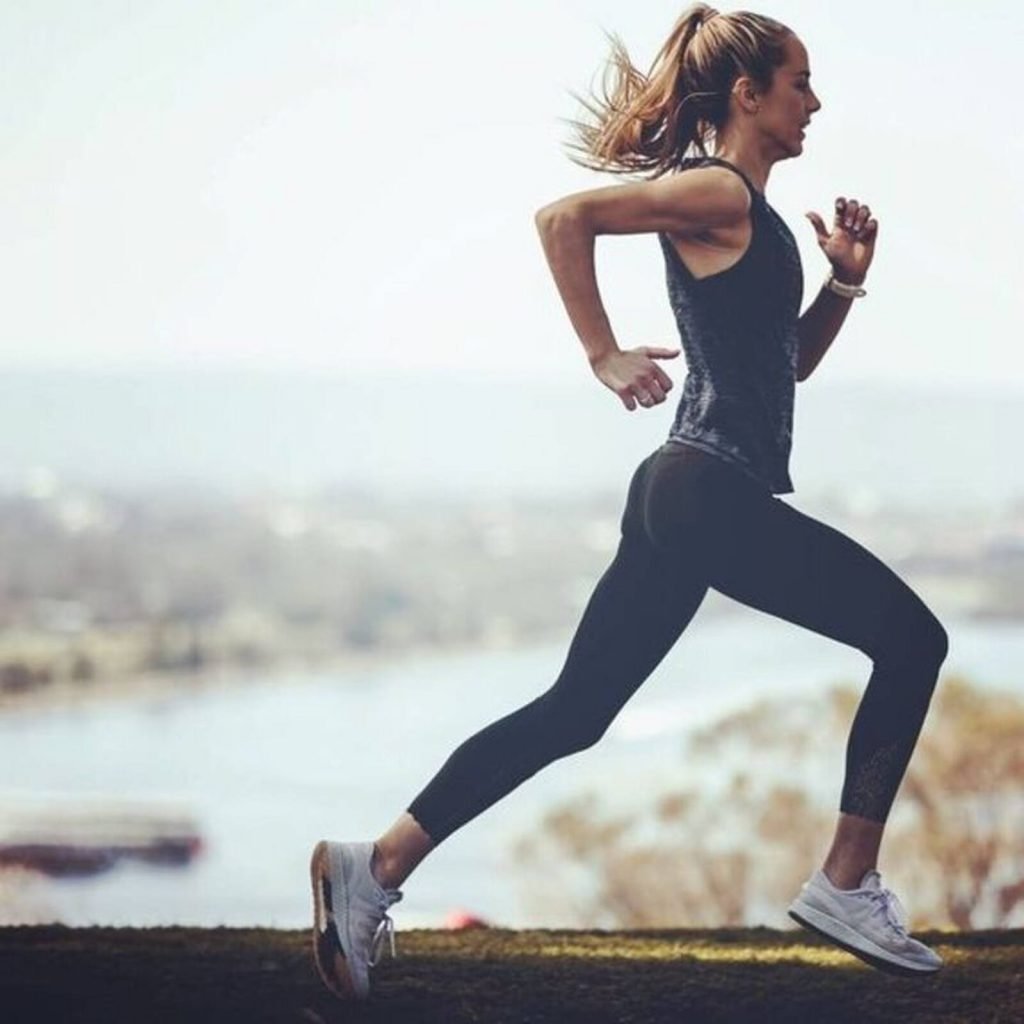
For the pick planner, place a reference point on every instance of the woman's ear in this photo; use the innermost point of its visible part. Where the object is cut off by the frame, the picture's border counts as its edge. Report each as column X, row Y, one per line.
column 746, row 94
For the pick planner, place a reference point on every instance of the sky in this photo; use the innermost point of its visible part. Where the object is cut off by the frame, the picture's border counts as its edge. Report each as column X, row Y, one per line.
column 349, row 185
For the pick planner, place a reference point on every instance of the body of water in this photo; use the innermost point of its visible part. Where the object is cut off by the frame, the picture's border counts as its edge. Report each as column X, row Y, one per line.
column 270, row 768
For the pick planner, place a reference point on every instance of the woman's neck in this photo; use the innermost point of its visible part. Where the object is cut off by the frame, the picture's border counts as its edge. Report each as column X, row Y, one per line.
column 753, row 165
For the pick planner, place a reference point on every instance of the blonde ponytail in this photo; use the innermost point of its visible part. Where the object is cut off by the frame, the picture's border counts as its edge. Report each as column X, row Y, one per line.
column 652, row 122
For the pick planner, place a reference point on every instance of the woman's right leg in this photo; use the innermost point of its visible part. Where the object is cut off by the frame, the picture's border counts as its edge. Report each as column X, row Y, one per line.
column 638, row 609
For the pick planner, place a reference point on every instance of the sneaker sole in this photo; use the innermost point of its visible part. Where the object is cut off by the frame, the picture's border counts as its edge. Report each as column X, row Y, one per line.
column 328, row 955
column 846, row 938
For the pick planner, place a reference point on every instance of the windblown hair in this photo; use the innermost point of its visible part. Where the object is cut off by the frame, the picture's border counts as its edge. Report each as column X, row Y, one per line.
column 652, row 122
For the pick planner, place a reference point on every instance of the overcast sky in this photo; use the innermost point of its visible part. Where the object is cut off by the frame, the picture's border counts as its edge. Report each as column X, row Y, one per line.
column 345, row 184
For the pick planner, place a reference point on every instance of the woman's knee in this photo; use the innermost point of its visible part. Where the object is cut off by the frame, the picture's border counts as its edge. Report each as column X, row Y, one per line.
column 912, row 632
column 940, row 641
column 929, row 638
column 561, row 727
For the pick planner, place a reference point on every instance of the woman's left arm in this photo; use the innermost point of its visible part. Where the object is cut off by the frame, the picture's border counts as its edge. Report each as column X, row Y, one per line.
column 849, row 248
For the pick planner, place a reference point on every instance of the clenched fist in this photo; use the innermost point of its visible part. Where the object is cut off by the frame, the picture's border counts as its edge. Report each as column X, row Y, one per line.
column 634, row 376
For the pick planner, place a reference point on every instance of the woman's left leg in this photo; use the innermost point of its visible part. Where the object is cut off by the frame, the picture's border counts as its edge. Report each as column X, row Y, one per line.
column 786, row 563
column 759, row 550
column 770, row 556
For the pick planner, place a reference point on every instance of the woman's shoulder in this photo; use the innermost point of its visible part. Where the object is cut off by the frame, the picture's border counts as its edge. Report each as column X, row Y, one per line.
column 725, row 168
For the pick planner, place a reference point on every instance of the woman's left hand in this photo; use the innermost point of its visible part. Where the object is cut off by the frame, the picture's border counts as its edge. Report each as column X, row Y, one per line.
column 850, row 246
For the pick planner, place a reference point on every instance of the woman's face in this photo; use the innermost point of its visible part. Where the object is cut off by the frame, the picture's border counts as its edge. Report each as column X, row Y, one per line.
column 787, row 107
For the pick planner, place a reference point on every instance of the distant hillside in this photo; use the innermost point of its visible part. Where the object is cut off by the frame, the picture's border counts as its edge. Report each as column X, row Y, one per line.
column 454, row 432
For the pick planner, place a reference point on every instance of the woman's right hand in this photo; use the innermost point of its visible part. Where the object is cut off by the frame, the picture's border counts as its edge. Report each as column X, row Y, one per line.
column 634, row 376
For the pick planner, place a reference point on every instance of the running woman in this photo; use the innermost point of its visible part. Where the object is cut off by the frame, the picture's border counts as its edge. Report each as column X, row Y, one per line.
column 702, row 509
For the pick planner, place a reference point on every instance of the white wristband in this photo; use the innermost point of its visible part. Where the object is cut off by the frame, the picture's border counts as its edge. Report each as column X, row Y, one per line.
column 848, row 291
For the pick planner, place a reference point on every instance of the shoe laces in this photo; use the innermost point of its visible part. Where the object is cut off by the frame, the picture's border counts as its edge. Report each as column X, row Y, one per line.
column 891, row 907
column 385, row 928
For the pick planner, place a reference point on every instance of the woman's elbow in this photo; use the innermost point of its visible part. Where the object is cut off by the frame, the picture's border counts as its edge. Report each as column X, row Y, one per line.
column 560, row 209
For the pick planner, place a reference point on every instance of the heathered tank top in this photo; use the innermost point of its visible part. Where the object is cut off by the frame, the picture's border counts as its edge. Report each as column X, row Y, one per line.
column 738, row 329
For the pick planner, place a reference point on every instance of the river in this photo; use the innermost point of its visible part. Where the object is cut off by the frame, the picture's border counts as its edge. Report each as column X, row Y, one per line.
column 270, row 767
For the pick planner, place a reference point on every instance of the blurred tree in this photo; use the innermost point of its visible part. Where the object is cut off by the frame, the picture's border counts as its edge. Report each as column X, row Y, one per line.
column 965, row 786
column 734, row 856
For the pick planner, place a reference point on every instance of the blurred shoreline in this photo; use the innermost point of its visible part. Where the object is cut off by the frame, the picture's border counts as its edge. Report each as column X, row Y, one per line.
column 207, row 530
column 69, row 695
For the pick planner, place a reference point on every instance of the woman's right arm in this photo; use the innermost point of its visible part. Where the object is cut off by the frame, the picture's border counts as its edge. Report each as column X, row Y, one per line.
column 683, row 204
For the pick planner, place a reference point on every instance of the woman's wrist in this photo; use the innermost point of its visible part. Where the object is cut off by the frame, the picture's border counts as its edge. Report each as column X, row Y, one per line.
column 844, row 278
column 847, row 289
column 596, row 356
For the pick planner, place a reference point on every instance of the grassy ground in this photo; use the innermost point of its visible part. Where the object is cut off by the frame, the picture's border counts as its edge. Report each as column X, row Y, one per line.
column 54, row 973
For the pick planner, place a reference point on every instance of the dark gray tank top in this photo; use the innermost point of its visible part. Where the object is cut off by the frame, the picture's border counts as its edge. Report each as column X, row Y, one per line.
column 738, row 329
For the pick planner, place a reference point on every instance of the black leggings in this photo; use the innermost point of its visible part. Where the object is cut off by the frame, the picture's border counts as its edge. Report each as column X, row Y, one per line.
column 692, row 521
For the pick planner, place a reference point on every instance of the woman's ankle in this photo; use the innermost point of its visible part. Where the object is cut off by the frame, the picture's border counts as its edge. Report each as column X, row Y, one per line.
column 385, row 872
column 854, row 850
column 845, row 877
column 399, row 850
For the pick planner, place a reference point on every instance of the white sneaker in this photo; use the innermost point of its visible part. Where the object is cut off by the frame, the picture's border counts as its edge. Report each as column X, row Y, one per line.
column 868, row 922
column 350, row 919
